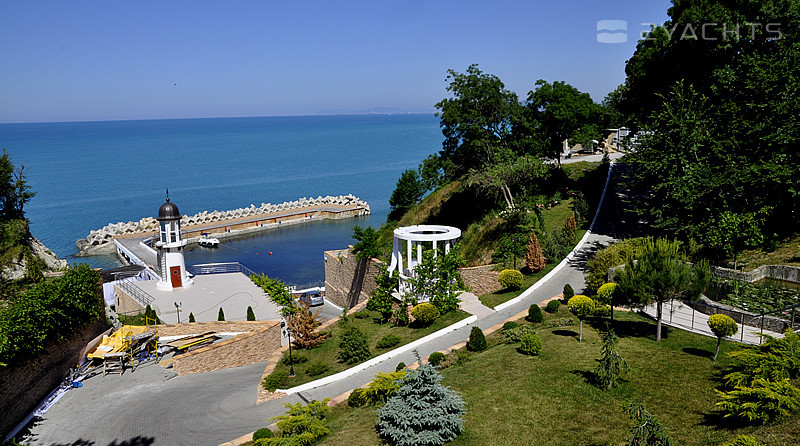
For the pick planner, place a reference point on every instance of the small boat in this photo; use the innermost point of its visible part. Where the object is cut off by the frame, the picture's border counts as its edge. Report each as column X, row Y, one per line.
column 208, row 242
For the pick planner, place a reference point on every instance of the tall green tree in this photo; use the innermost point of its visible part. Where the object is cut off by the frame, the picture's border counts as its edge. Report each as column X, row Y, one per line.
column 660, row 273
column 562, row 112
column 407, row 192
column 729, row 131
column 14, row 189
column 476, row 121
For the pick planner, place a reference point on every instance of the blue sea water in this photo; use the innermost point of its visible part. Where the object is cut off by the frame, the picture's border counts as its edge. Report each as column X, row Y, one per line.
column 89, row 174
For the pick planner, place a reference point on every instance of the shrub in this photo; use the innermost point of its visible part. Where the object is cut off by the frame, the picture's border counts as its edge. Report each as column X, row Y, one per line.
column 510, row 325
column 383, row 386
column 356, row 398
column 614, row 255
column 611, row 367
column 606, row 292
column 477, row 341
column 568, row 292
column 191, row 317
column 552, row 306
column 581, row 306
column 264, row 432
column 534, row 255
column 221, row 315
column 361, row 314
column 511, row 279
column 425, row 313
column 400, row 366
column 294, row 359
column 762, row 401
column 353, row 346
column 276, row 380
column 534, row 314
column 436, row 358
column 300, row 425
column 388, row 341
column 561, row 322
column 407, row 420
column 647, row 429
column 531, row 344
column 601, row 310
column 516, row 334
column 722, row 326
column 744, row 440
column 251, row 316
column 317, row 368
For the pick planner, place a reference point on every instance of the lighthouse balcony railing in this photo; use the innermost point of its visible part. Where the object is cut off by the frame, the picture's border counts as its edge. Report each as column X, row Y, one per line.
column 220, row 268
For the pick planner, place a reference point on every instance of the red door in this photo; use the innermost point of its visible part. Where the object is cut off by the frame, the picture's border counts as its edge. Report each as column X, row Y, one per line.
column 175, row 273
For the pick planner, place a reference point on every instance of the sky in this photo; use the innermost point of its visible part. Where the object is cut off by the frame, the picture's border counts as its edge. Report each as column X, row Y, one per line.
column 117, row 60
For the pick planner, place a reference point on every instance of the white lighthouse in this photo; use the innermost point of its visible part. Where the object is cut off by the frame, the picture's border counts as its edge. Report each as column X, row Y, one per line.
column 170, row 254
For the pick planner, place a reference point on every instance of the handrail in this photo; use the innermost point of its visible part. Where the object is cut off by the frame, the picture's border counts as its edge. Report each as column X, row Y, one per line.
column 139, row 295
column 220, row 268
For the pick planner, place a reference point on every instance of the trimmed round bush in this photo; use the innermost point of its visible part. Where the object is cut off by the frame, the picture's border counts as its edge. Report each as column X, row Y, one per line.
column 264, row 432
column 552, row 306
column 511, row 279
column 388, row 341
column 606, row 292
column 276, row 380
column 317, row 368
column 357, row 398
column 294, row 359
column 568, row 292
column 531, row 344
column 722, row 325
column 425, row 313
column 516, row 334
column 436, row 358
column 581, row 306
column 400, row 366
column 535, row 314
column 477, row 341
column 510, row 325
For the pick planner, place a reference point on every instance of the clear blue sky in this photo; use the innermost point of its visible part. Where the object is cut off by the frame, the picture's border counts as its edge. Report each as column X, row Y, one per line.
column 109, row 60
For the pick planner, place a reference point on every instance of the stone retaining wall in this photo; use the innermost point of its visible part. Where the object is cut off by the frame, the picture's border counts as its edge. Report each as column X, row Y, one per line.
column 779, row 272
column 256, row 345
column 26, row 385
column 481, row 279
column 149, row 225
column 347, row 282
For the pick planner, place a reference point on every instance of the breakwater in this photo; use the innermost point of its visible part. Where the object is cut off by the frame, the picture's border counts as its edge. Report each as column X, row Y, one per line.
column 248, row 219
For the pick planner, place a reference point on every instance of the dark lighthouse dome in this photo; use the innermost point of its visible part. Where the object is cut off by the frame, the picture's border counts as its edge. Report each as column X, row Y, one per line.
column 168, row 211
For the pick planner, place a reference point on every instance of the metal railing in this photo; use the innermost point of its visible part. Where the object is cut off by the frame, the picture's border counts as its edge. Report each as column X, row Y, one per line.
column 777, row 320
column 220, row 268
column 139, row 295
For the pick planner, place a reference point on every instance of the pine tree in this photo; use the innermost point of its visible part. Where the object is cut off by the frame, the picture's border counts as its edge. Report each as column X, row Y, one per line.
column 221, row 315
column 191, row 317
column 534, row 257
column 477, row 340
column 611, row 367
column 569, row 230
column 422, row 411
column 353, row 346
column 303, row 325
column 250, row 315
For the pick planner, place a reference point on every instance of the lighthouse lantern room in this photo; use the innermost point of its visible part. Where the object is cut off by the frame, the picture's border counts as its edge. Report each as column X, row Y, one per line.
column 170, row 255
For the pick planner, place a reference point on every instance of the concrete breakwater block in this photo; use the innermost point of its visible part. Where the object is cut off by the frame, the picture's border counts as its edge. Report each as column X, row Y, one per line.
column 106, row 234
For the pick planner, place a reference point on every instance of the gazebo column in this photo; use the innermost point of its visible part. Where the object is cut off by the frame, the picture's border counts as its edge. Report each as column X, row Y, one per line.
column 408, row 246
column 435, row 252
column 419, row 253
column 447, row 247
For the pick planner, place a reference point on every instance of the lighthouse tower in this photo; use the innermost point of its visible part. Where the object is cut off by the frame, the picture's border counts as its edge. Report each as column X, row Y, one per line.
column 171, row 263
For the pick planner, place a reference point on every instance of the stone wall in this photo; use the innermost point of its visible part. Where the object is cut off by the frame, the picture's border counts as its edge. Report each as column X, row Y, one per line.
column 254, row 346
column 26, row 385
column 348, row 282
column 481, row 279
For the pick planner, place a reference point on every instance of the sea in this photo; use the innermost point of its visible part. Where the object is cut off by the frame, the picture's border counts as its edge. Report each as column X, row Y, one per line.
column 88, row 174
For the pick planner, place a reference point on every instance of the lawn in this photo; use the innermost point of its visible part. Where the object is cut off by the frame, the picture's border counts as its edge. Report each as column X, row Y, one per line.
column 491, row 300
column 328, row 351
column 513, row 399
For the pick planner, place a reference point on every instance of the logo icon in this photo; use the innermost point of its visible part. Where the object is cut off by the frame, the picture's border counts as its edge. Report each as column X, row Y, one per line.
column 612, row 31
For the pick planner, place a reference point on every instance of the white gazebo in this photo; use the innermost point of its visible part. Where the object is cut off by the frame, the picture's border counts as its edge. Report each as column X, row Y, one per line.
column 416, row 236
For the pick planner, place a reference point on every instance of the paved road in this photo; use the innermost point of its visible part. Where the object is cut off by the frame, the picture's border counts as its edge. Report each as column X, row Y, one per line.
column 152, row 406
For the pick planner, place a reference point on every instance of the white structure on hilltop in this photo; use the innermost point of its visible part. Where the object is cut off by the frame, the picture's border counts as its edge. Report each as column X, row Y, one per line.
column 170, row 252
column 417, row 236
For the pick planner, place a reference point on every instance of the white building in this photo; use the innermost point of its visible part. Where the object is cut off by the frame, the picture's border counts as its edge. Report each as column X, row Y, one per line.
column 170, row 249
column 414, row 238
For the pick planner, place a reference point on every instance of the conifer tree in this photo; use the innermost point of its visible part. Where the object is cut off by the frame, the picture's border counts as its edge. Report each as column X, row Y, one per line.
column 191, row 317
column 303, row 325
column 221, row 315
column 534, row 257
column 250, row 315
column 569, row 230
column 611, row 367
column 422, row 411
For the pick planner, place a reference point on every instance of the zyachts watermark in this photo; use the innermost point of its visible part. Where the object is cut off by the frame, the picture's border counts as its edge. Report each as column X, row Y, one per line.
column 712, row 31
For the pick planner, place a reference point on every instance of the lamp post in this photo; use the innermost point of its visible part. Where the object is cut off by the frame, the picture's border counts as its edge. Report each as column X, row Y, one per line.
column 291, row 361
column 178, row 309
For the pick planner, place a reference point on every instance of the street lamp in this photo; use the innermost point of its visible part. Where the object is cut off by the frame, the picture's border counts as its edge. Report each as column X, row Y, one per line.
column 291, row 361
column 178, row 309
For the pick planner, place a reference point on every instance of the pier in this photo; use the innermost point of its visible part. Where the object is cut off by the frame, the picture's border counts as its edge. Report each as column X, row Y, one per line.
column 223, row 224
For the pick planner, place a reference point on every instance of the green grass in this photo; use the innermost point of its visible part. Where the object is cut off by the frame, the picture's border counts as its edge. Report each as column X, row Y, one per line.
column 514, row 399
column 494, row 299
column 786, row 253
column 328, row 351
